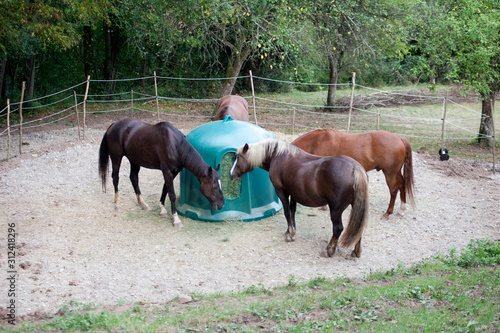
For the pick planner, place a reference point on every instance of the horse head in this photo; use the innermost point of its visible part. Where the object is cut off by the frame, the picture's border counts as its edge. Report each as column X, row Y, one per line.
column 241, row 164
column 211, row 188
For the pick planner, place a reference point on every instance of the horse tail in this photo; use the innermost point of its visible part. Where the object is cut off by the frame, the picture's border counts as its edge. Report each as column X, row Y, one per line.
column 359, row 210
column 104, row 161
column 408, row 173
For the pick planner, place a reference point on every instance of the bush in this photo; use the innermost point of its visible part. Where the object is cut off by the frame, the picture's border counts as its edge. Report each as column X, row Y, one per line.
column 476, row 253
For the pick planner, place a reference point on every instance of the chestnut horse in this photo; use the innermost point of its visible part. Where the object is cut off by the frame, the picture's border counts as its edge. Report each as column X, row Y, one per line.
column 232, row 105
column 160, row 146
column 380, row 150
column 313, row 181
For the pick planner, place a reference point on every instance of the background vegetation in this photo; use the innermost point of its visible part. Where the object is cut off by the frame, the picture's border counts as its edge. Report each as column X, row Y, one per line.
column 53, row 45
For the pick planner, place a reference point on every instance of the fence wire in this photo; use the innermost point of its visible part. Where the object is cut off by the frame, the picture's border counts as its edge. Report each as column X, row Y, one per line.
column 292, row 114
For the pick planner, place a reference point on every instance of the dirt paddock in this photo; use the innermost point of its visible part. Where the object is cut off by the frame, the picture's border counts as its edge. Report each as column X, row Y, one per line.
column 72, row 245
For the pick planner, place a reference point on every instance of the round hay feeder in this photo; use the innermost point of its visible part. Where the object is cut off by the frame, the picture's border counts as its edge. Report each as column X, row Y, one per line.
column 247, row 199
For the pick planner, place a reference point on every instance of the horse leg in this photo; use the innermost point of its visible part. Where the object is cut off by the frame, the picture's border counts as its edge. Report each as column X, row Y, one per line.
column 392, row 184
column 163, row 210
column 336, row 217
column 284, row 198
column 168, row 188
column 402, row 193
column 134, row 179
column 116, row 162
column 293, row 209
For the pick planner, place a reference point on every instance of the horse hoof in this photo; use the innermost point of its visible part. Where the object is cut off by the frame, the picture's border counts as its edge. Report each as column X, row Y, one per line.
column 330, row 252
column 164, row 214
column 146, row 207
column 178, row 225
column 289, row 239
column 355, row 255
column 385, row 217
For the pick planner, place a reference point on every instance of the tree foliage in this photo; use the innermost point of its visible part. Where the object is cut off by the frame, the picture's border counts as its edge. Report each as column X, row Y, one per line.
column 349, row 30
column 230, row 32
column 461, row 40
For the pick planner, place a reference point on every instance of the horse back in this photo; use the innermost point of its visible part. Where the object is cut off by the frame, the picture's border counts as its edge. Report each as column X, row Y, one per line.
column 315, row 181
column 232, row 105
column 379, row 150
column 149, row 146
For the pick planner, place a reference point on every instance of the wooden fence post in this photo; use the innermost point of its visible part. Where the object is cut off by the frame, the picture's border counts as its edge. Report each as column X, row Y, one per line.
column 21, row 119
column 85, row 105
column 444, row 120
column 352, row 98
column 293, row 128
column 77, row 115
column 156, row 97
column 8, row 129
column 494, row 140
column 253, row 98
column 132, row 102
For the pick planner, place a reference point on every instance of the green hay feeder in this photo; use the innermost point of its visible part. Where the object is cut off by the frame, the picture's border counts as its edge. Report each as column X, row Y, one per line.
column 247, row 199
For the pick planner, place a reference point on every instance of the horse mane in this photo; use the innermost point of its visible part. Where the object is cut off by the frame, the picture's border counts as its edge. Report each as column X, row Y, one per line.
column 189, row 156
column 259, row 151
column 192, row 160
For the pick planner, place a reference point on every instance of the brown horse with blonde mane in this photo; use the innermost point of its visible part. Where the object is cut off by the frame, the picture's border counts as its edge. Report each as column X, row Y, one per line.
column 379, row 150
column 313, row 181
column 232, row 105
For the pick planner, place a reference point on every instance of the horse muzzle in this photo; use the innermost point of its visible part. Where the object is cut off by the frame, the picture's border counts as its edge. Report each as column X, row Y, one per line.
column 218, row 205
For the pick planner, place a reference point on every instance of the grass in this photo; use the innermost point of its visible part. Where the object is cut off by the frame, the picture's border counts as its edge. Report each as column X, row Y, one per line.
column 456, row 292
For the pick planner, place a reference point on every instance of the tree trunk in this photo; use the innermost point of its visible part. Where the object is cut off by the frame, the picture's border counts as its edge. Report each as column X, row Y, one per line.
column 29, row 75
column 234, row 66
column 87, row 49
column 111, row 48
column 334, row 60
column 486, row 127
column 3, row 71
column 143, row 72
column 333, row 78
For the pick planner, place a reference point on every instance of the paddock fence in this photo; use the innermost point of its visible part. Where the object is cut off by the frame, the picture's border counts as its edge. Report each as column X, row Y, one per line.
column 431, row 122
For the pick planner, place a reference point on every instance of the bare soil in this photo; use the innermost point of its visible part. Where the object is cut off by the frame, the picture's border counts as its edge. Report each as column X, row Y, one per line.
column 72, row 245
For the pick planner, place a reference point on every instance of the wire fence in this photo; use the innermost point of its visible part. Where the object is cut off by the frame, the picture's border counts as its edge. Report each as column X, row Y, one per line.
column 358, row 109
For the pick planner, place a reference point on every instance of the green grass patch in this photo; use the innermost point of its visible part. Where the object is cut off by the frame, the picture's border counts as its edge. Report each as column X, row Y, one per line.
column 456, row 292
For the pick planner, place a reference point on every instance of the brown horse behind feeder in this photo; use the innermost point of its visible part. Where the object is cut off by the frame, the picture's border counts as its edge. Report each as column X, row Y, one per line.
column 380, row 150
column 232, row 105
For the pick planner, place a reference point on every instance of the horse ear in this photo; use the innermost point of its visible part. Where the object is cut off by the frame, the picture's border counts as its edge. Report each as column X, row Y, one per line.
column 218, row 168
column 245, row 148
column 210, row 171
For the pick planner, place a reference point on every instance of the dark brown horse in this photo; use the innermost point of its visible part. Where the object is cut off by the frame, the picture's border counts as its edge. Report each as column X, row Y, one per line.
column 380, row 150
column 313, row 181
column 232, row 105
column 161, row 147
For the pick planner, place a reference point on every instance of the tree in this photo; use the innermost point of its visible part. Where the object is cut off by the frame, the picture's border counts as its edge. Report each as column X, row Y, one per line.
column 28, row 28
column 238, row 30
column 464, row 38
column 353, row 27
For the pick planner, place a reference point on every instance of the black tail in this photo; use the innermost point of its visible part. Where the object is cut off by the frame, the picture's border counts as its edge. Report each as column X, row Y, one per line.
column 103, row 161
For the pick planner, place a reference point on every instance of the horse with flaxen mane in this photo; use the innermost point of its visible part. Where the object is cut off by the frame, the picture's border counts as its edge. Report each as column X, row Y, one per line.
column 313, row 181
column 162, row 147
column 232, row 105
column 380, row 150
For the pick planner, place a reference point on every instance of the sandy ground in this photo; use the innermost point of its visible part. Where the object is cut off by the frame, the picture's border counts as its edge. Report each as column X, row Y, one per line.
column 72, row 245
